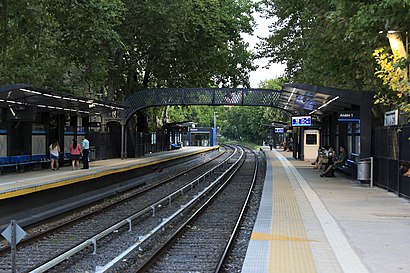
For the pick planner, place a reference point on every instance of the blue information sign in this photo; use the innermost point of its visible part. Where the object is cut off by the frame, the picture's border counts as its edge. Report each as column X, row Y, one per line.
column 298, row 121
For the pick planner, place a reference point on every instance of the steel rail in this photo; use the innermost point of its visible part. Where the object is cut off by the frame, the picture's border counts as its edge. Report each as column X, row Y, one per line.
column 143, row 267
column 128, row 221
column 240, row 217
column 26, row 241
column 176, row 214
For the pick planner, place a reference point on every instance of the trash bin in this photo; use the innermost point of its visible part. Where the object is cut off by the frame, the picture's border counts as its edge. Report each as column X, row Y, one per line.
column 363, row 169
column 92, row 153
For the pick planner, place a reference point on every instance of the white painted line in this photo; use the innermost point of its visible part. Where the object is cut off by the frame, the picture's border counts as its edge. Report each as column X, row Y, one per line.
column 348, row 259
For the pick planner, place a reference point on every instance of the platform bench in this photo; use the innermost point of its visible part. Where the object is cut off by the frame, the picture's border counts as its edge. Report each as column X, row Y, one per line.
column 348, row 167
column 25, row 162
column 6, row 166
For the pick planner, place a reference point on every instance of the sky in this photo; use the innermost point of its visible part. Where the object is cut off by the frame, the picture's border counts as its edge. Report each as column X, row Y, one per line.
column 261, row 73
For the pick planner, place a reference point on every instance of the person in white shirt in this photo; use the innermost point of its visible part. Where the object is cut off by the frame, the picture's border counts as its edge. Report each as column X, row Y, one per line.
column 54, row 154
column 85, row 145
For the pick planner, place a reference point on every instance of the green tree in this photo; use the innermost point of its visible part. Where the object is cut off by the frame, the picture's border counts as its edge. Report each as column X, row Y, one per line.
column 116, row 47
column 173, row 43
column 328, row 42
column 63, row 45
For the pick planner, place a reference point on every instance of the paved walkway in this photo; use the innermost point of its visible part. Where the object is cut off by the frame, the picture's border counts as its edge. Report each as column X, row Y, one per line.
column 311, row 224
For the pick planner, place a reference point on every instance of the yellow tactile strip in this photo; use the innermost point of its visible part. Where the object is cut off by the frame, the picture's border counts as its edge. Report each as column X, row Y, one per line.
column 349, row 261
column 289, row 249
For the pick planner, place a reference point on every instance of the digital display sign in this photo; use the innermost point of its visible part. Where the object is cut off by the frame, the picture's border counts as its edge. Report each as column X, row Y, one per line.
column 299, row 121
column 279, row 130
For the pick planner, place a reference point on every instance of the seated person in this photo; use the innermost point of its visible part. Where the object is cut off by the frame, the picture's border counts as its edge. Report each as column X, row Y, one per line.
column 328, row 166
column 405, row 169
column 341, row 159
column 322, row 158
column 319, row 155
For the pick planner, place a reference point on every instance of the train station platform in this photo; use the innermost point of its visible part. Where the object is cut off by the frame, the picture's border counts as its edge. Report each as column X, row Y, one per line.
column 307, row 223
column 19, row 184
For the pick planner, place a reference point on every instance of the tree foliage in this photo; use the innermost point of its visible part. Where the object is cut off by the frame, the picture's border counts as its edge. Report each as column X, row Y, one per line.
column 115, row 47
column 393, row 72
column 329, row 42
column 59, row 44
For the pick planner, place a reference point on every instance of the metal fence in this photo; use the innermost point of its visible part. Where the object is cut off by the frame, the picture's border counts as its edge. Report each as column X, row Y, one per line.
column 146, row 143
column 391, row 149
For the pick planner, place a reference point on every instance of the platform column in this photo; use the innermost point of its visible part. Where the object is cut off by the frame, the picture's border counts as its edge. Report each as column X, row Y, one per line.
column 366, row 116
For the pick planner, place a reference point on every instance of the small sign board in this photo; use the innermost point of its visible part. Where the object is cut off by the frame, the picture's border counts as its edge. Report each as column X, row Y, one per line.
column 94, row 124
column 20, row 233
column 391, row 118
column 348, row 116
column 279, row 130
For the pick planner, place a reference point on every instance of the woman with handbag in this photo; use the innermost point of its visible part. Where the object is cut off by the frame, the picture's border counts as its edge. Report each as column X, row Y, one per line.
column 75, row 151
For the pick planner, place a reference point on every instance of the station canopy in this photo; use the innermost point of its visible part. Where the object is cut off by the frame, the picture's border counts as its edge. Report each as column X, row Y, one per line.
column 297, row 99
column 21, row 97
column 310, row 99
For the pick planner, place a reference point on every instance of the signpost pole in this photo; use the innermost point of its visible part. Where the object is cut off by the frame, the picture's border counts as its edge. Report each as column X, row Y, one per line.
column 13, row 246
column 13, row 234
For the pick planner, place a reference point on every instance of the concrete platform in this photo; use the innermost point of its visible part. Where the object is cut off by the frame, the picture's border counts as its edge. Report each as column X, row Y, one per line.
column 311, row 224
column 19, row 184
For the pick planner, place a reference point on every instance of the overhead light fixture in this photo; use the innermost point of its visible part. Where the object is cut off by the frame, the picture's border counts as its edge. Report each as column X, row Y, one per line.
column 91, row 102
column 290, row 97
column 12, row 111
column 30, row 91
column 325, row 104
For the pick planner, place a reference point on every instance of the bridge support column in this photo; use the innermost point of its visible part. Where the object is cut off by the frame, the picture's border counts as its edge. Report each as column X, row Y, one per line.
column 125, row 144
column 122, row 141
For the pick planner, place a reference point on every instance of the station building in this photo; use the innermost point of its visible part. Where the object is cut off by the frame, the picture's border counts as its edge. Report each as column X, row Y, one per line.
column 374, row 137
column 30, row 118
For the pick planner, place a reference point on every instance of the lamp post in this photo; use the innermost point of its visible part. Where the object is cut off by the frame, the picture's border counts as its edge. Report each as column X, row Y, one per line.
column 5, row 32
column 398, row 47
column 396, row 43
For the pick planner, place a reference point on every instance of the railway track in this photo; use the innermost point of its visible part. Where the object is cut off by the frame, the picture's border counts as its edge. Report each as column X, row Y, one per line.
column 202, row 243
column 84, row 234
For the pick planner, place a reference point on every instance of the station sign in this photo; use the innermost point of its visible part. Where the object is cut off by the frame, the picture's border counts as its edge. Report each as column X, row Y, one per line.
column 391, row 118
column 348, row 116
column 301, row 121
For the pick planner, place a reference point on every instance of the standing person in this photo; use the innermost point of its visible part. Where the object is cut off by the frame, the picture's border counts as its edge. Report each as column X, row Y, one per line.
column 54, row 153
column 75, row 151
column 270, row 144
column 85, row 145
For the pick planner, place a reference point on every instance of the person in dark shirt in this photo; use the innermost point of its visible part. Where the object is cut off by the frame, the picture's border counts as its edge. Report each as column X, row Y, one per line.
column 342, row 157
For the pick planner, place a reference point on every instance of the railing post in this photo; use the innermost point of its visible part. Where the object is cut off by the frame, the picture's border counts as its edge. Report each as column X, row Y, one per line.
column 371, row 172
